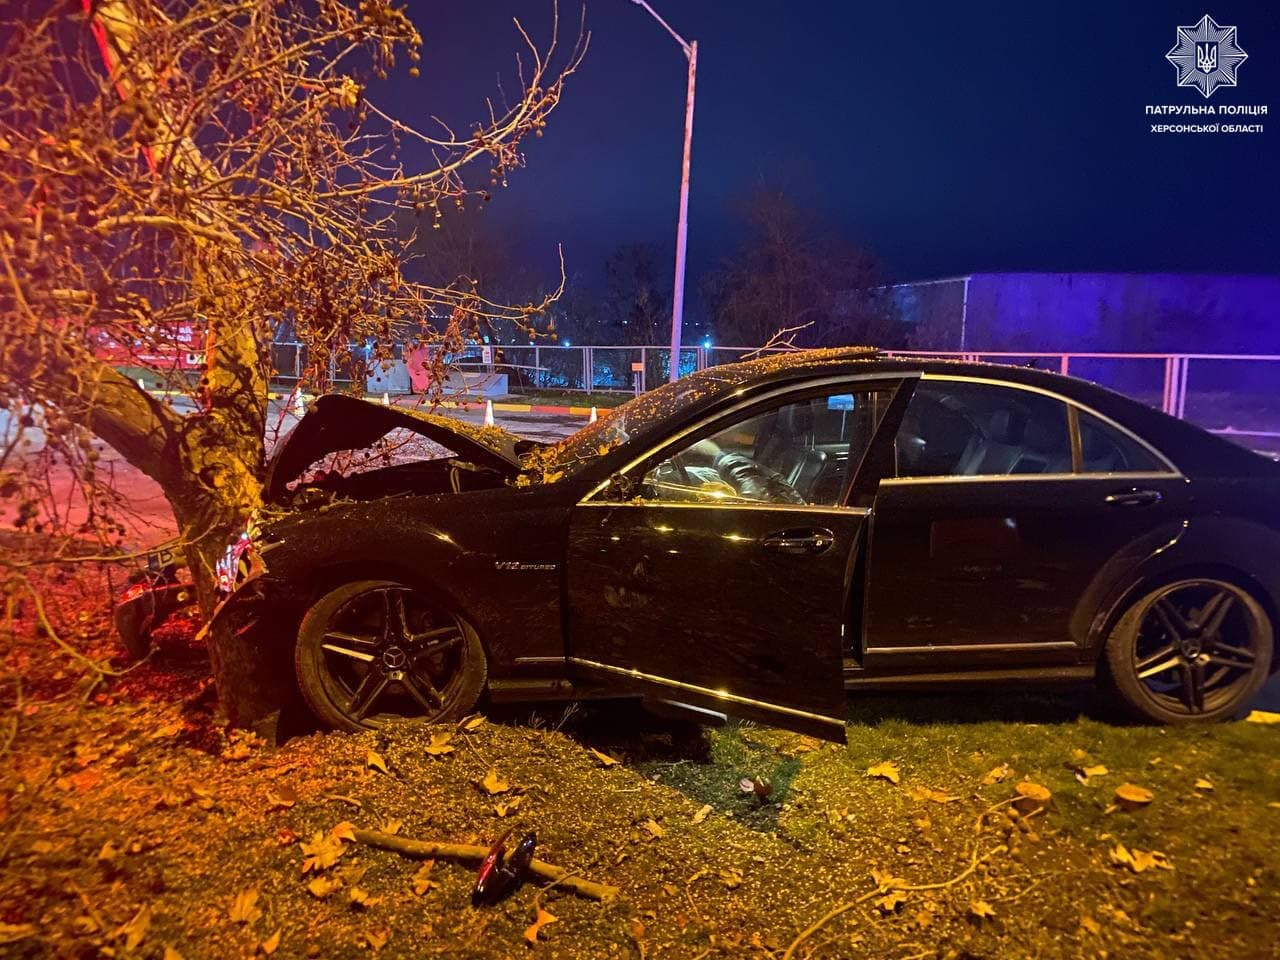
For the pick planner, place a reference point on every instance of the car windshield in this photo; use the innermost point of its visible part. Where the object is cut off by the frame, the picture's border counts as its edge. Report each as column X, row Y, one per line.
column 634, row 418
column 637, row 417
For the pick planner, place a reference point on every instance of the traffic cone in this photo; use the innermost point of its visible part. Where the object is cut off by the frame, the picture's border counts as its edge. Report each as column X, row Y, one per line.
column 488, row 413
column 594, row 418
column 386, row 399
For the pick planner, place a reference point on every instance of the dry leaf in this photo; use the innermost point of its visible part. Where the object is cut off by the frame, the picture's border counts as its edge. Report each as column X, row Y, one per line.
column 440, row 744
column 654, row 828
column 472, row 724
column 377, row 939
column 981, row 909
column 996, row 774
column 13, row 932
column 271, row 944
column 604, row 758
column 169, row 953
column 1083, row 774
column 1089, row 924
column 136, row 929
column 422, row 881
column 493, row 783
column 541, row 919
column 359, row 897
column 503, row 807
column 703, row 812
column 108, row 852
column 891, row 901
column 323, row 850
column 321, row 887
column 1139, row 860
column 926, row 793
column 1203, row 784
column 1262, row 716
column 1131, row 795
column 392, row 826
column 731, row 878
column 281, row 797
column 886, row 770
column 886, row 881
column 244, row 909
column 1031, row 795
column 374, row 761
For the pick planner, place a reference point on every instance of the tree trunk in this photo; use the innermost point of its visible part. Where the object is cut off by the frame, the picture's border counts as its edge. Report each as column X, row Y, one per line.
column 252, row 673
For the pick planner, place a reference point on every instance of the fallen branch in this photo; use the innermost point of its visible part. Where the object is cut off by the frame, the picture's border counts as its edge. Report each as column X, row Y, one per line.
column 905, row 887
column 468, row 853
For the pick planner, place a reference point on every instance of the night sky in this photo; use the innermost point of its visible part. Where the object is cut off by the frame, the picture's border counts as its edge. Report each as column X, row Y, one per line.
column 947, row 138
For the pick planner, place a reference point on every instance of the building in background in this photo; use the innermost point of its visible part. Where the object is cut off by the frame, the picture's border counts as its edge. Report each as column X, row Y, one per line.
column 1093, row 313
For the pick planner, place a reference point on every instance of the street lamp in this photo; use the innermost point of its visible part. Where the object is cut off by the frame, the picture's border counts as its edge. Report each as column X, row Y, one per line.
column 690, row 48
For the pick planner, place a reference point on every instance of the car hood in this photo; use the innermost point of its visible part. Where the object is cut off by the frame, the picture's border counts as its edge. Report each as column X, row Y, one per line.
column 338, row 422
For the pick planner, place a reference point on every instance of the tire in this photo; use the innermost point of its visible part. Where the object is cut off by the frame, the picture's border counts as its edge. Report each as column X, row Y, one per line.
column 374, row 650
column 1191, row 651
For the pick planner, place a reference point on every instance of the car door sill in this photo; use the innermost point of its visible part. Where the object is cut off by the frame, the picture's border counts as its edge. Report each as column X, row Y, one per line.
column 860, row 679
column 814, row 720
column 972, row 648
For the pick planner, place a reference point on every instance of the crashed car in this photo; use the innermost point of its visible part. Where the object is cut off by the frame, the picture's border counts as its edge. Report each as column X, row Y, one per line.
column 758, row 538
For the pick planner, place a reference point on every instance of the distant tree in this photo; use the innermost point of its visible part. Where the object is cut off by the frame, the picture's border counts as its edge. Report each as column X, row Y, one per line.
column 176, row 173
column 637, row 299
column 794, row 270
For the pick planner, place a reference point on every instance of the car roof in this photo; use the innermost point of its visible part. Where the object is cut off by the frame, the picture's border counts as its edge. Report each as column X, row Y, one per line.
column 1194, row 451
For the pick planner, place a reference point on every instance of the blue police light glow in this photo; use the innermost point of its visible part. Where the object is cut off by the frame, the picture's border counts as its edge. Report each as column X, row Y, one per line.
column 565, row 343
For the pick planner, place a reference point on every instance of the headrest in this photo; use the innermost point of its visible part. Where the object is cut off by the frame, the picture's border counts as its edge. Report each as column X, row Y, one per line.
column 1007, row 426
column 1046, row 435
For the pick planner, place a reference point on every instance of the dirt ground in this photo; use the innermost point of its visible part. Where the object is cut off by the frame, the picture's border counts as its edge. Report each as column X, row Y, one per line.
column 950, row 825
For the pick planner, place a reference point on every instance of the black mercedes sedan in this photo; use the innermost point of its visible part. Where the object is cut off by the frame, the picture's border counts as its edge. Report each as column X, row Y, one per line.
column 759, row 538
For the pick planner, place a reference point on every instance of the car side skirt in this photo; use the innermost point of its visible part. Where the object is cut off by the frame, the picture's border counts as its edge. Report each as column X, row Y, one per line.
column 857, row 679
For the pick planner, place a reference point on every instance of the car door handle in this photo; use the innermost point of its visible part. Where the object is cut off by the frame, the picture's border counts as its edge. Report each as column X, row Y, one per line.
column 1136, row 497
column 809, row 541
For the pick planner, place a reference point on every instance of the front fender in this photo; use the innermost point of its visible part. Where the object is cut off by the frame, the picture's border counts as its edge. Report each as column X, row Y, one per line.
column 492, row 557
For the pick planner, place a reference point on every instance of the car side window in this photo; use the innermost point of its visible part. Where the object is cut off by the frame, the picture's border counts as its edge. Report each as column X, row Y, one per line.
column 965, row 429
column 797, row 453
column 1104, row 449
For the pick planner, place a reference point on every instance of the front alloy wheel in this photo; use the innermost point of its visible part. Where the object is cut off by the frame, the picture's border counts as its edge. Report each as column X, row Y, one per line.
column 1192, row 650
column 374, row 650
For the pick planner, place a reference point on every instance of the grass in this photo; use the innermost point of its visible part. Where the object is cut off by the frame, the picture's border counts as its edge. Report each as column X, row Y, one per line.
column 135, row 802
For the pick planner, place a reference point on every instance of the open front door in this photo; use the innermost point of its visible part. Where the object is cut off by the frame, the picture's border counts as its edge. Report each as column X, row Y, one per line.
column 725, row 584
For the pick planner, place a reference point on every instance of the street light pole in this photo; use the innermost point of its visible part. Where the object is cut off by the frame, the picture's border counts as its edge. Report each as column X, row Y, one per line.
column 690, row 49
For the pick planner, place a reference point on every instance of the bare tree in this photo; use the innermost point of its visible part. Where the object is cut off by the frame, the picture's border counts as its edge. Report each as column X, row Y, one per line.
column 180, row 174
column 636, row 296
column 795, row 273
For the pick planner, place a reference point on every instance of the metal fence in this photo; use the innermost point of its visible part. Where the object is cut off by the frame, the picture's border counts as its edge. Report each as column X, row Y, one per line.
column 1235, row 395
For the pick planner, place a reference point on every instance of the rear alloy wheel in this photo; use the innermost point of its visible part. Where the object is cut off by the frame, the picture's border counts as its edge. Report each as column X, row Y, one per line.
column 1191, row 651
column 374, row 650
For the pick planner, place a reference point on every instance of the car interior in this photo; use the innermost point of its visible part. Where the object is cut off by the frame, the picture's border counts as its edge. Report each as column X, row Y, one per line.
column 960, row 429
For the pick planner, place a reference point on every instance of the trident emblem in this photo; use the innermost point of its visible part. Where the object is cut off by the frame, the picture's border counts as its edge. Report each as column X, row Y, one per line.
column 1207, row 57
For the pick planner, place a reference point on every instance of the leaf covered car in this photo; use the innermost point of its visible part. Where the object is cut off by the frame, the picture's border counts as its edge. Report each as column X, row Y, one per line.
column 758, row 538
